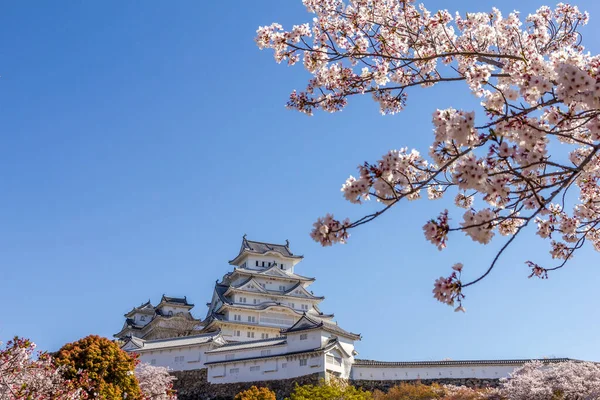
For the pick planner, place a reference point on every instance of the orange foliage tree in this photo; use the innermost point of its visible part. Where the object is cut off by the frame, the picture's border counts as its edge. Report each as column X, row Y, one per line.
column 255, row 393
column 110, row 370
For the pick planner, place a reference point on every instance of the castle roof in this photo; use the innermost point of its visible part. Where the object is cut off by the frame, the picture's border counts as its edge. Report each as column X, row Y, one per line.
column 271, row 272
column 287, row 293
column 261, row 248
column 451, row 363
column 141, row 344
column 145, row 308
column 179, row 301
column 308, row 323
column 253, row 344
column 330, row 344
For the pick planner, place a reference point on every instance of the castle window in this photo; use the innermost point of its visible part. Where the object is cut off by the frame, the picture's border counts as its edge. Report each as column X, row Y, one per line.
column 283, row 365
column 292, row 305
column 237, row 317
column 265, row 352
column 305, row 306
column 153, row 361
column 255, row 301
column 281, row 266
column 282, row 288
column 229, row 356
column 255, row 368
column 244, row 265
column 236, row 333
column 257, row 263
column 143, row 318
column 250, row 334
column 234, row 370
column 303, row 362
column 242, row 299
column 170, row 313
column 304, row 336
column 264, row 335
column 269, row 264
column 263, row 263
column 251, row 319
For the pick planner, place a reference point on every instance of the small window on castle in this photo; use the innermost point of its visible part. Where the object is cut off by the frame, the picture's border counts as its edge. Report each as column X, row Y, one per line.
column 230, row 356
column 269, row 264
column 304, row 336
column 236, row 333
column 292, row 305
column 282, row 288
column 265, row 352
column 143, row 318
column 234, row 371
column 255, row 301
column 257, row 263
column 303, row 362
column 264, row 335
column 250, row 334
column 255, row 368
column 281, row 266
column 153, row 361
column 170, row 313
column 244, row 264
column 263, row 263
column 283, row 365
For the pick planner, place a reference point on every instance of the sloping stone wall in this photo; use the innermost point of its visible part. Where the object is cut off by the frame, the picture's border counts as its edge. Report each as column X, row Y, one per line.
column 193, row 385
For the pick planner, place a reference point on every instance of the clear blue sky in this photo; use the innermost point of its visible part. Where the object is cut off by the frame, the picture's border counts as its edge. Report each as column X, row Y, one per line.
column 140, row 140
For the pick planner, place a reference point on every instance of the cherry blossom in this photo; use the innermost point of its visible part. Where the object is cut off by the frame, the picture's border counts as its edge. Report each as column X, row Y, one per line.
column 565, row 380
column 155, row 382
column 23, row 376
column 538, row 90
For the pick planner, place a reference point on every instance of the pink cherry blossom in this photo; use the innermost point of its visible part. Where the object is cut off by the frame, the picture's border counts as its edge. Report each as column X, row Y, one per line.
column 534, row 142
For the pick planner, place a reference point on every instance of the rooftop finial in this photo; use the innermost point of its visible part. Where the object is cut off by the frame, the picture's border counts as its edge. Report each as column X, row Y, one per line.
column 287, row 243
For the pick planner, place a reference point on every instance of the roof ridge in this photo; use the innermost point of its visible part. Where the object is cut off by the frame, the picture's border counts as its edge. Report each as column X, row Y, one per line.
column 181, row 337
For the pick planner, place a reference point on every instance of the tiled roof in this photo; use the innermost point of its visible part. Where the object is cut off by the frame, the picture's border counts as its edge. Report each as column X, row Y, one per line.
column 329, row 345
column 449, row 363
column 175, row 342
column 235, row 346
column 263, row 248
column 176, row 300
column 309, row 322
column 272, row 271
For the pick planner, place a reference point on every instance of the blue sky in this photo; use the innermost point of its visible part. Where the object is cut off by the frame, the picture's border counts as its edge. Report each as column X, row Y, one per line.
column 140, row 140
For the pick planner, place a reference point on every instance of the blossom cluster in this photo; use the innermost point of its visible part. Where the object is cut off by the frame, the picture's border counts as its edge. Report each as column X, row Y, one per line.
column 539, row 135
column 25, row 375
column 155, row 382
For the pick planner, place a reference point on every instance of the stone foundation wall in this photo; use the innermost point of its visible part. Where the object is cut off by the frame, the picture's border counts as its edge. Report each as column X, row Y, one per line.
column 193, row 385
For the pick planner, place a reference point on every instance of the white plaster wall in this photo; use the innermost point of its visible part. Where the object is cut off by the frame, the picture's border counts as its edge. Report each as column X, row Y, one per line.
column 410, row 373
column 313, row 340
column 193, row 357
column 269, row 369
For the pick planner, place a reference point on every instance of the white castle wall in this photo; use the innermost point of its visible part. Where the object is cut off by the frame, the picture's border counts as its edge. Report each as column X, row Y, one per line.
column 383, row 373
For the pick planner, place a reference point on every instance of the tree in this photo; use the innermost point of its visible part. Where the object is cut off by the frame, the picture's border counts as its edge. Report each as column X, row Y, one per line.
column 333, row 391
column 24, row 377
column 411, row 391
column 255, row 393
column 562, row 381
column 529, row 158
column 110, row 369
column 155, row 382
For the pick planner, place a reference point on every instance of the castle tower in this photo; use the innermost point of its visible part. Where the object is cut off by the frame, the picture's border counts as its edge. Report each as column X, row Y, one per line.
column 262, row 295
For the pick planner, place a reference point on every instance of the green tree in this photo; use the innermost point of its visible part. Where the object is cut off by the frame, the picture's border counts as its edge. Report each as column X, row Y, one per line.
column 333, row 391
column 255, row 393
column 110, row 370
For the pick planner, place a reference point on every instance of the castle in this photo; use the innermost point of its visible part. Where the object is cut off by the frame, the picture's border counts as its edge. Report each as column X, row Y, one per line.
column 264, row 323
